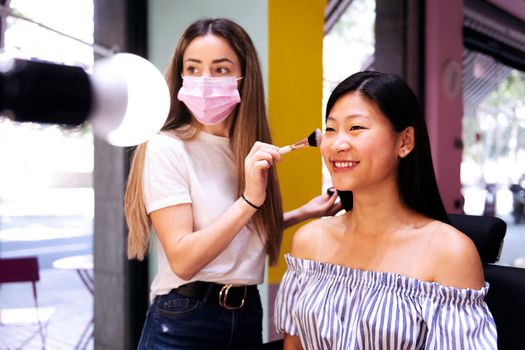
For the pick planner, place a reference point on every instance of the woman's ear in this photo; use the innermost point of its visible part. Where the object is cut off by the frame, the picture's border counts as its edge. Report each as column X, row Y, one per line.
column 406, row 144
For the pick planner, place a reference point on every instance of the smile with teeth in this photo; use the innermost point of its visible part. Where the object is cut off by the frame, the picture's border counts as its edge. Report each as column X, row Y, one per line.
column 345, row 164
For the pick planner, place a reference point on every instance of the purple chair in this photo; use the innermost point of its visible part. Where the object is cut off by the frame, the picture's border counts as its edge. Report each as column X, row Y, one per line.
column 18, row 270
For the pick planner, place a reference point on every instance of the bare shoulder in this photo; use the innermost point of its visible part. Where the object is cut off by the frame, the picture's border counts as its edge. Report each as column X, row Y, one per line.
column 455, row 259
column 307, row 240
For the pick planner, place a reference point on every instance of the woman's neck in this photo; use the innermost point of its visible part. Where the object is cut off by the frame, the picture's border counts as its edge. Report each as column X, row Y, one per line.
column 221, row 129
column 379, row 212
column 217, row 130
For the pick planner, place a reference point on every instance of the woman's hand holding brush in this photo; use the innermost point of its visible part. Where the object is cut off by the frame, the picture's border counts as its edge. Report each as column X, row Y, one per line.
column 261, row 157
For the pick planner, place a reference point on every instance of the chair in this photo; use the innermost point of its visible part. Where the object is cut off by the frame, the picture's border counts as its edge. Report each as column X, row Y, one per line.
column 25, row 269
column 486, row 232
column 506, row 296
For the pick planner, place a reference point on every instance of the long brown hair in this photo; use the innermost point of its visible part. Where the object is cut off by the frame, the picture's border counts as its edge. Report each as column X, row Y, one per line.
column 249, row 124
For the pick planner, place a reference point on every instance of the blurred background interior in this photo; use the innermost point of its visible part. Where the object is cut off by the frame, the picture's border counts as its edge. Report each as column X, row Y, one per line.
column 61, row 189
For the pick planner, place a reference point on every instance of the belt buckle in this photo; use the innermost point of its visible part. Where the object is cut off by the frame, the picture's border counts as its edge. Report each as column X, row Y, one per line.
column 223, row 297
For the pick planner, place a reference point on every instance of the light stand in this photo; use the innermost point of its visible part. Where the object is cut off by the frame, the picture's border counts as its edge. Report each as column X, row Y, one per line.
column 125, row 98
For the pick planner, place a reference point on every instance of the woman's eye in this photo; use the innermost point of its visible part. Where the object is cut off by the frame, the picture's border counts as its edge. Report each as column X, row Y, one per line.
column 222, row 70
column 356, row 127
column 329, row 129
column 191, row 70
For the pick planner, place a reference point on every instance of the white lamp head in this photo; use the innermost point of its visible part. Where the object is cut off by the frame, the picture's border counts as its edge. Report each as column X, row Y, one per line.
column 131, row 99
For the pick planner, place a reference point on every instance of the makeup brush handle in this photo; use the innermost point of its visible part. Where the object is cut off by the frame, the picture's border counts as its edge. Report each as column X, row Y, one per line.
column 285, row 149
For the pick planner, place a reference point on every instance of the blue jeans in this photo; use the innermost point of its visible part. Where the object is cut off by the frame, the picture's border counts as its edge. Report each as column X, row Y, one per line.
column 174, row 321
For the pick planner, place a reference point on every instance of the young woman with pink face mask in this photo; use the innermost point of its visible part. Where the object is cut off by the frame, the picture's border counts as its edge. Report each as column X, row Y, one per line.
column 207, row 186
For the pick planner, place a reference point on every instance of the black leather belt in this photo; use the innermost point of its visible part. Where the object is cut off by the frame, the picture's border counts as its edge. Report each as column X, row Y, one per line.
column 226, row 295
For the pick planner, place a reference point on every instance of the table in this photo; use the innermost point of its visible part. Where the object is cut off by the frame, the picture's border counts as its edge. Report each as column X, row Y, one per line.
column 83, row 265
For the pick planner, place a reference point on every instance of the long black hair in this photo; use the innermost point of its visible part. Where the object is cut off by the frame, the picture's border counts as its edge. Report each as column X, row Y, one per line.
column 416, row 178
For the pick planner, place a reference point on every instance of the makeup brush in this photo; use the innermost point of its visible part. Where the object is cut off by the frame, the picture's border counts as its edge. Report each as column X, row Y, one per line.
column 314, row 139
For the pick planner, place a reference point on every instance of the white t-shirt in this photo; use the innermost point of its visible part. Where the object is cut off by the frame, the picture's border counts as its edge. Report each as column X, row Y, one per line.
column 201, row 172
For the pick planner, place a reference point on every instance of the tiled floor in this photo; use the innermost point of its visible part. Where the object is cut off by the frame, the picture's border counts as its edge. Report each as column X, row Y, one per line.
column 73, row 306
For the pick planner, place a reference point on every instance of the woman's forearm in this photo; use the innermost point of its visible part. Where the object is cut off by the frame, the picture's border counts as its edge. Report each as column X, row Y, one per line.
column 292, row 342
column 189, row 251
column 293, row 217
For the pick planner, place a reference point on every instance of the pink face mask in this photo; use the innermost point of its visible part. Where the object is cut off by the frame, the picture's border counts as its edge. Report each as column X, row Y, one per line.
column 210, row 100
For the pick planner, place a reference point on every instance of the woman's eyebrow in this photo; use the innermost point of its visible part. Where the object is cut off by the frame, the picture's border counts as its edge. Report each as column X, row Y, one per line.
column 193, row 60
column 350, row 116
column 221, row 60
column 215, row 61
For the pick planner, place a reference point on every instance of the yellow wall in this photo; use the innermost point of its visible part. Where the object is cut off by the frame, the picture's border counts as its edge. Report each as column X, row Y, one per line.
column 295, row 100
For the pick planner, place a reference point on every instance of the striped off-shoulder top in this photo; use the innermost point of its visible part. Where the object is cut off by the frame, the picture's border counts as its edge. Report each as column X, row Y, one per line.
column 335, row 307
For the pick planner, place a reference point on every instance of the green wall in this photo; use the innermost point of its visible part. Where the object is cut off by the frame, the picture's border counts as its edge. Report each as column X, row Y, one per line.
column 168, row 18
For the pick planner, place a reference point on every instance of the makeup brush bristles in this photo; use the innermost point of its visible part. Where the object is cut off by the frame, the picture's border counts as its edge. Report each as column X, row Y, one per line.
column 314, row 139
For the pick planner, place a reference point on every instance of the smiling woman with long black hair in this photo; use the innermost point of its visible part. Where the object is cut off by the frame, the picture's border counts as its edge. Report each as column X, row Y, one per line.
column 390, row 273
